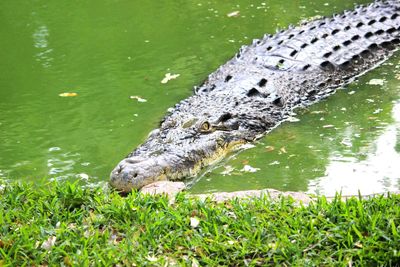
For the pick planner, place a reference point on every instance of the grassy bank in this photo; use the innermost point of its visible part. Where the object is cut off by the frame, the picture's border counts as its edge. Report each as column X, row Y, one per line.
column 72, row 226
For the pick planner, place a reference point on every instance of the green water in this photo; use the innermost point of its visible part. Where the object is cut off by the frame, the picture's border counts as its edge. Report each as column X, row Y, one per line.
column 107, row 51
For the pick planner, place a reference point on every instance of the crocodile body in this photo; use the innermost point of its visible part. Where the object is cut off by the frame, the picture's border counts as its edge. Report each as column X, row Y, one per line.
column 259, row 88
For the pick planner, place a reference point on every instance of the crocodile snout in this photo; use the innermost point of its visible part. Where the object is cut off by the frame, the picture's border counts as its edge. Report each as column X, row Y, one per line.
column 136, row 172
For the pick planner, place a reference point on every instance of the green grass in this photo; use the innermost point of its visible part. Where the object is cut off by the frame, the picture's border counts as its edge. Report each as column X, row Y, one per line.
column 98, row 227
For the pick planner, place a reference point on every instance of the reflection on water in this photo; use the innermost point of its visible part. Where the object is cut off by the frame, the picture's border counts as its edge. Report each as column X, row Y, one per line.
column 40, row 41
column 379, row 172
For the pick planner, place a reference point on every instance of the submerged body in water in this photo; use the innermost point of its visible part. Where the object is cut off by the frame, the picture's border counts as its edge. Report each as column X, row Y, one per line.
column 259, row 88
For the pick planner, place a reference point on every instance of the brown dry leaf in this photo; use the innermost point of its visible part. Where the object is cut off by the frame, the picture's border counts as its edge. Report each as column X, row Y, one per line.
column 269, row 148
column 68, row 94
column 245, row 162
column 49, row 243
column 169, row 76
column 233, row 14
column 67, row 261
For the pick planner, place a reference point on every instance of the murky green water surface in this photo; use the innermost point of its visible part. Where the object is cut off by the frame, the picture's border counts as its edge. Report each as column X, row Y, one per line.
column 107, row 51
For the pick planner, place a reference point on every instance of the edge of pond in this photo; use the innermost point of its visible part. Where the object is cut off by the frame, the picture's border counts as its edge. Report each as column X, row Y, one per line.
column 171, row 189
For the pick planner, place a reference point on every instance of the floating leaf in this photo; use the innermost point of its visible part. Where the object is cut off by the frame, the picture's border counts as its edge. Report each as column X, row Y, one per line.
column 68, row 94
column 138, row 98
column 269, row 148
column 169, row 76
column 233, row 14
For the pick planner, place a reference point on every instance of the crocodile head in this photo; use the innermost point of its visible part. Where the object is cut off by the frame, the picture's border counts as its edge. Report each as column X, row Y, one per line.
column 198, row 132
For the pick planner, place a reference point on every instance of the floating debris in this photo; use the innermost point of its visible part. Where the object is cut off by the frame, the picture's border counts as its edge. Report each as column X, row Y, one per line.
column 318, row 112
column 346, row 142
column 234, row 14
column 228, row 170
column 328, row 126
column 248, row 168
column 246, row 146
column 169, row 76
column 83, row 176
column 269, row 148
column 376, row 82
column 292, row 119
column 68, row 94
column 138, row 98
column 274, row 163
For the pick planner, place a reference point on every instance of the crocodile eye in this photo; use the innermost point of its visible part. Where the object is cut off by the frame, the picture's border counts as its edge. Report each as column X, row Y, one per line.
column 205, row 127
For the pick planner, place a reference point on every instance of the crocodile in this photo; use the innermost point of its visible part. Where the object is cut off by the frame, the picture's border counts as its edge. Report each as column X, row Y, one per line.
column 259, row 88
